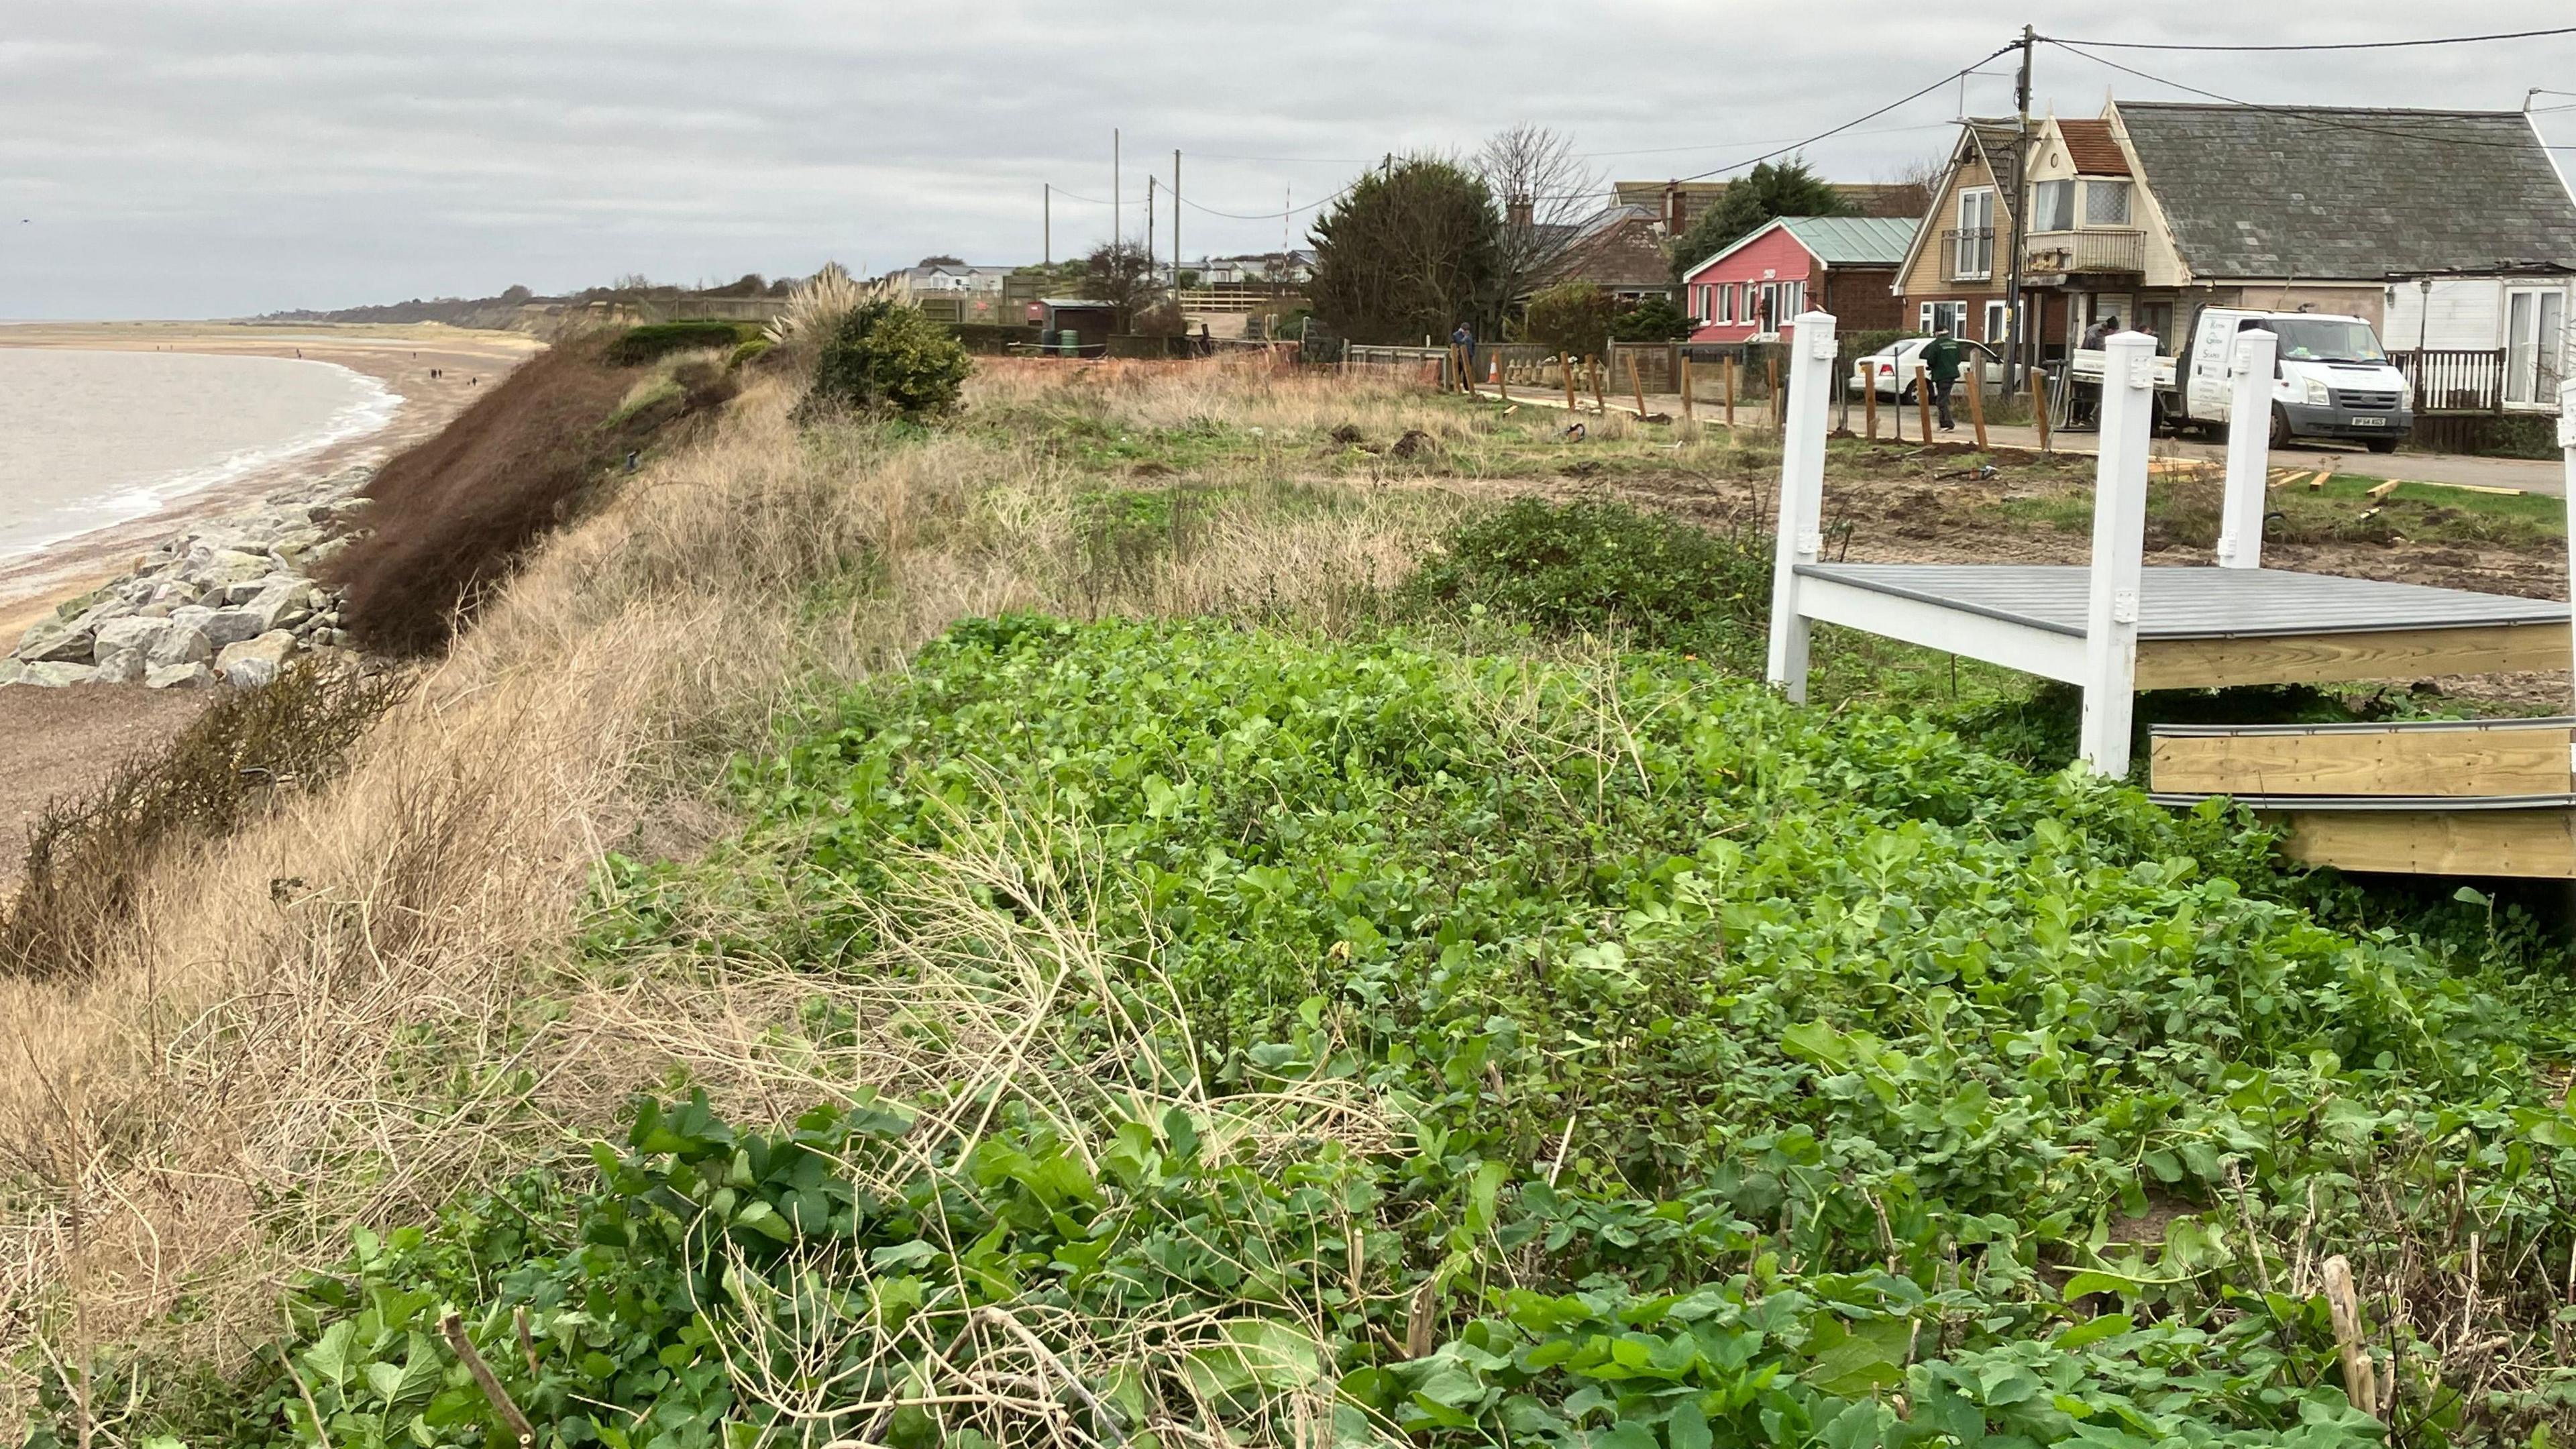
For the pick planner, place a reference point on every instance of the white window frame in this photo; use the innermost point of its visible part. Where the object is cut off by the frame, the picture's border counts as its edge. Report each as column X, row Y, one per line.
column 1725, row 314
column 2128, row 193
column 1984, row 248
column 1930, row 314
column 2531, row 380
column 2041, row 215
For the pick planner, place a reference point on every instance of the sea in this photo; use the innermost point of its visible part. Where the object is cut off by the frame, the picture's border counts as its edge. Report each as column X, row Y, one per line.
column 94, row 438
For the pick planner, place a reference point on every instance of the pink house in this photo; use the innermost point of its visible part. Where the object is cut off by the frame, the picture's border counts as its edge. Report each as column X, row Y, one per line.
column 1843, row 264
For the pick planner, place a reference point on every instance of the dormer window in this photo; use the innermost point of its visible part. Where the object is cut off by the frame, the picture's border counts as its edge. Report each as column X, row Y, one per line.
column 2106, row 203
column 2053, row 206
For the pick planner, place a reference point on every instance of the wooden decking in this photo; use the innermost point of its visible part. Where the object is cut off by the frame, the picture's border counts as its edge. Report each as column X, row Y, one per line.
column 2419, row 797
column 2196, row 627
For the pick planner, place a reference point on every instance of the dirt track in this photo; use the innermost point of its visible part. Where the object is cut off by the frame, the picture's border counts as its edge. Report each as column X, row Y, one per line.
column 64, row 742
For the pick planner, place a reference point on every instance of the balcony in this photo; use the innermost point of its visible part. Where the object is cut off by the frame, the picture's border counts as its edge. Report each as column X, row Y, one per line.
column 2090, row 251
column 1968, row 254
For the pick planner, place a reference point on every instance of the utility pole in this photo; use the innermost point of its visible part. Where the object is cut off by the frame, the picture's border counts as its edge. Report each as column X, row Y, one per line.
column 1117, row 198
column 2014, row 342
column 1149, row 227
column 1046, row 224
column 1176, row 226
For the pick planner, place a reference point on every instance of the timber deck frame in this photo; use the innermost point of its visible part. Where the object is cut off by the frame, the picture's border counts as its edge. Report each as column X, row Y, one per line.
column 2114, row 626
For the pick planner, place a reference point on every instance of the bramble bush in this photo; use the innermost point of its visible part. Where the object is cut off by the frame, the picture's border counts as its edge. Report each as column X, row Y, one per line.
column 1606, row 567
column 886, row 357
column 1472, row 1048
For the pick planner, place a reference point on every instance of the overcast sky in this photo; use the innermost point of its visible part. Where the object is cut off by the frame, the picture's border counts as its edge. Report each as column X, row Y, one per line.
column 163, row 158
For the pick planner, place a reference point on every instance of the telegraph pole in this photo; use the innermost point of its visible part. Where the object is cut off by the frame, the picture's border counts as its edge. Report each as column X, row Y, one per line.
column 1176, row 226
column 2014, row 342
column 1117, row 198
column 1149, row 228
column 1046, row 224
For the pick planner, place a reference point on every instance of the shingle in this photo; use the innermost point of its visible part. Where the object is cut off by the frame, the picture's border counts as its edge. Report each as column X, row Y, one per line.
column 2329, row 193
column 2093, row 149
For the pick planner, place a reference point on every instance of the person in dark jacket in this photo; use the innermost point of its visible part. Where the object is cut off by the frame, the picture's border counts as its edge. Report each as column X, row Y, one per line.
column 1940, row 370
column 1464, row 339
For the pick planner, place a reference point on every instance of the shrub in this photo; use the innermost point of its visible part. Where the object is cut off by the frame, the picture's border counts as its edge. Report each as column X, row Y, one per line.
column 749, row 351
column 886, row 357
column 639, row 345
column 1605, row 566
column 1656, row 319
column 1572, row 320
column 86, row 858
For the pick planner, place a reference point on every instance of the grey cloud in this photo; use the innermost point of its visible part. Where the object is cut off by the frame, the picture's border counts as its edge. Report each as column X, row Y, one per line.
column 215, row 157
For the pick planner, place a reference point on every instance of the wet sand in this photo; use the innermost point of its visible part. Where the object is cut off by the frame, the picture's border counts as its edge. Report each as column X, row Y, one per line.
column 401, row 357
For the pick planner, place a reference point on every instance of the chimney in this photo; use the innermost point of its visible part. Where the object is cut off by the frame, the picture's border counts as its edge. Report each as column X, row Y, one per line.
column 1520, row 212
column 1672, row 208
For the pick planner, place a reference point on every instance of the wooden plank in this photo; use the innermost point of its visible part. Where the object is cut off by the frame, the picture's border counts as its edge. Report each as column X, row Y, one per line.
column 1977, row 405
column 2328, row 658
column 2039, row 406
column 2530, row 843
column 2391, row 761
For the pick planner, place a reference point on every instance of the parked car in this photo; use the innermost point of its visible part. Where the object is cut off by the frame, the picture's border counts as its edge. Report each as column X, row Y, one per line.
column 1891, row 367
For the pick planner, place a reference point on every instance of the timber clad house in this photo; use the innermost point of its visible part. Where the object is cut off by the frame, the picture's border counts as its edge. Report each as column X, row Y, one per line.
column 2449, row 231
column 1843, row 264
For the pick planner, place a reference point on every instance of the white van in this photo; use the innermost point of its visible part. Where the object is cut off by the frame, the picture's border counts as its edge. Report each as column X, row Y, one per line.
column 2332, row 379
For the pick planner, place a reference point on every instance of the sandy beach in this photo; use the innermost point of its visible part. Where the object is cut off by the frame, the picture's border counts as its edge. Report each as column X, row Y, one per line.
column 400, row 357
column 63, row 741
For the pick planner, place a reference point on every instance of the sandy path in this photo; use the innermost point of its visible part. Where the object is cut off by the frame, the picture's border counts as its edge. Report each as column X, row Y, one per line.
column 63, row 741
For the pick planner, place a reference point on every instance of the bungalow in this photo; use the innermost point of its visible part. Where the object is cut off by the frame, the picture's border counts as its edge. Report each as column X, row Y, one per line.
column 2153, row 210
column 1619, row 249
column 1843, row 264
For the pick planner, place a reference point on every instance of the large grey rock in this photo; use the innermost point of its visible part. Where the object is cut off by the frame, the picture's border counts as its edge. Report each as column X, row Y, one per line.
column 125, row 666
column 254, row 662
column 11, row 670
column 130, row 634
column 58, row 641
column 178, row 676
column 55, row 675
column 216, row 567
column 181, row 643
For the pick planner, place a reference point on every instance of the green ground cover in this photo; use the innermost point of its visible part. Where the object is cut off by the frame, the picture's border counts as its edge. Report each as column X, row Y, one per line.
column 1402, row 1041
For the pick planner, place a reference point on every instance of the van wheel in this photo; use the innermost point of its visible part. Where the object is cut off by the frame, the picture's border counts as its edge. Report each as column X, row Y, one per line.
column 2280, row 426
column 2381, row 445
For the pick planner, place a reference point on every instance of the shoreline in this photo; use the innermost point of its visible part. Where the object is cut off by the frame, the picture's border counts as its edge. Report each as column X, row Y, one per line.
column 398, row 358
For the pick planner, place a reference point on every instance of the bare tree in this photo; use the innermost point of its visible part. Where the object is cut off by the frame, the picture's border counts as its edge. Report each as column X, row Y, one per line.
column 1915, row 184
column 1546, row 192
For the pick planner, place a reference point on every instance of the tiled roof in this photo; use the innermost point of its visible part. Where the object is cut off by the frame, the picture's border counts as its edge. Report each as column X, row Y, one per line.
column 2328, row 193
column 2093, row 149
column 1853, row 241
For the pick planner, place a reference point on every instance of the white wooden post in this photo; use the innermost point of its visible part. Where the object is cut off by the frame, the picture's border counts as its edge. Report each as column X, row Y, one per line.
column 1802, row 496
column 2249, row 450
column 2119, row 547
column 2567, row 446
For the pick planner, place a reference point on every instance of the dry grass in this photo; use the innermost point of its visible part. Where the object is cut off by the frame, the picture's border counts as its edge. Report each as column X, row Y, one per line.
column 368, row 1002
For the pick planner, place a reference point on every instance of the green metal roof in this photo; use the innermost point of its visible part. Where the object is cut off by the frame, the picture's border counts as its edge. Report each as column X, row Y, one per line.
column 1853, row 241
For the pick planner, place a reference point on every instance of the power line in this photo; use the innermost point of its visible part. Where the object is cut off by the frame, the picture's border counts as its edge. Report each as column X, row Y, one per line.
column 1854, row 121
column 1268, row 215
column 2305, row 114
column 2331, row 45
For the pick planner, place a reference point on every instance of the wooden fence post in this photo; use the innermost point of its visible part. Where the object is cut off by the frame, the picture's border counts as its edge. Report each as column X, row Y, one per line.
column 1869, row 407
column 1977, row 402
column 2119, row 548
column 1566, row 365
column 2039, row 405
column 1730, row 393
column 1600, row 404
column 2249, row 449
column 1771, row 380
column 1637, row 385
column 1802, row 499
column 1682, row 377
column 1923, row 399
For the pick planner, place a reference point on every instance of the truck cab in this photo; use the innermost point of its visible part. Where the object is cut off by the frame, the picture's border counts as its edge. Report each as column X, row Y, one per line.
column 2333, row 379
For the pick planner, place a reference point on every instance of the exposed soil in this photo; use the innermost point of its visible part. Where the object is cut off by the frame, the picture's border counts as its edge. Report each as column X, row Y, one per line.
column 60, row 742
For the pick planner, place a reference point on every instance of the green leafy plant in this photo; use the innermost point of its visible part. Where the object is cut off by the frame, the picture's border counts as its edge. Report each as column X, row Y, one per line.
column 1571, row 320
column 886, row 357
column 1605, row 566
column 639, row 345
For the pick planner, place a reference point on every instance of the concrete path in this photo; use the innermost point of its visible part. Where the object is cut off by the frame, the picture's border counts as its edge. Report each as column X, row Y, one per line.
column 2528, row 474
